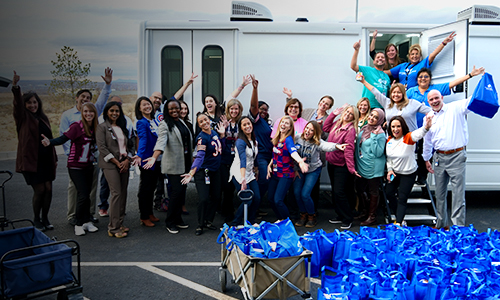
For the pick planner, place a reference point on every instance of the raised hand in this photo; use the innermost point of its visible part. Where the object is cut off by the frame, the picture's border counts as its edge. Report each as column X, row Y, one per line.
column 15, row 79
column 428, row 120
column 108, row 75
column 449, row 38
column 45, row 141
column 357, row 45
column 193, row 77
column 287, row 92
column 476, row 72
column 246, row 80
column 255, row 82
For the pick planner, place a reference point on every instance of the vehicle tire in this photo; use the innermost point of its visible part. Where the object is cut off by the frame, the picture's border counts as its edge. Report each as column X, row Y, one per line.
column 222, row 279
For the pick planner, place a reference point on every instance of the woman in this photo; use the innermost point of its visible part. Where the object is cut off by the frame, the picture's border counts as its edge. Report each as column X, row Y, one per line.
column 243, row 169
column 293, row 109
column 419, row 93
column 264, row 113
column 147, row 133
column 234, row 110
column 391, row 53
column 341, row 166
column 174, row 141
column 364, row 109
column 36, row 163
column 81, row 163
column 370, row 165
column 280, row 170
column 406, row 73
column 318, row 114
column 401, row 164
column 309, row 145
column 115, row 154
column 398, row 104
column 206, row 171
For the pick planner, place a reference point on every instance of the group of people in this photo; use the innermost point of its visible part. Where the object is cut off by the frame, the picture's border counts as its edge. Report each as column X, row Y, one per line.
column 226, row 151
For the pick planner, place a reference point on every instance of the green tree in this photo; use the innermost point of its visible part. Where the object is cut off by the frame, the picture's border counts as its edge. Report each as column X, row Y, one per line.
column 69, row 74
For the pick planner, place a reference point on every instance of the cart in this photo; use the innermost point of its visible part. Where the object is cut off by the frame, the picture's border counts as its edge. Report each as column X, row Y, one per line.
column 262, row 278
column 33, row 265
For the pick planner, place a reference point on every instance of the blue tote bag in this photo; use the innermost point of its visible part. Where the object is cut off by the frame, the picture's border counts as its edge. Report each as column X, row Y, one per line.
column 484, row 101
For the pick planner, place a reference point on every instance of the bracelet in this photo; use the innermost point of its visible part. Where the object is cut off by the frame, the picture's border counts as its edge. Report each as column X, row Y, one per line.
column 444, row 44
column 470, row 75
column 191, row 174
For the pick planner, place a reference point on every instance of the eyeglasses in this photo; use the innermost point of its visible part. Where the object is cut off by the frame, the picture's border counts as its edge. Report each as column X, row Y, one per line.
column 294, row 106
column 423, row 77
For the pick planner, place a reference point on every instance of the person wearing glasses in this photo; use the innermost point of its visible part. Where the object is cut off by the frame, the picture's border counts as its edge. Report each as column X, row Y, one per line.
column 419, row 93
column 406, row 73
column 293, row 109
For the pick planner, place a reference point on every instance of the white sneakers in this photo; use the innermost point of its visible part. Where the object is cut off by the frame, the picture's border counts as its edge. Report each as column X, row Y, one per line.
column 80, row 230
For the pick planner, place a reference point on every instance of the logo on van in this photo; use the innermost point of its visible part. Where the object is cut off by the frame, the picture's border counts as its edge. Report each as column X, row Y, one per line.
column 489, row 88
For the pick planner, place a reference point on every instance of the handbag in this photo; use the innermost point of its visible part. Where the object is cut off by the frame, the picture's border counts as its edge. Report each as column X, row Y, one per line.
column 484, row 100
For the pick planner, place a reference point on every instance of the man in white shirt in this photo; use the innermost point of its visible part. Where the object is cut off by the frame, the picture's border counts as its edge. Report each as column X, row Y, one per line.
column 448, row 137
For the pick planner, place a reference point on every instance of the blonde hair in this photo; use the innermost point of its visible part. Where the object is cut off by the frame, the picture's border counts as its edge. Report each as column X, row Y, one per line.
column 317, row 132
column 355, row 113
column 415, row 47
column 89, row 129
column 231, row 103
column 404, row 102
column 276, row 139
column 364, row 99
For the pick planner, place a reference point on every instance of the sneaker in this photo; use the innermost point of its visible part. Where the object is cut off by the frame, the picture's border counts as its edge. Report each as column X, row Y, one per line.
column 210, row 226
column 72, row 221
column 90, row 227
column 199, row 230
column 172, row 230
column 103, row 213
column 79, row 230
column 182, row 225
column 335, row 221
column 345, row 225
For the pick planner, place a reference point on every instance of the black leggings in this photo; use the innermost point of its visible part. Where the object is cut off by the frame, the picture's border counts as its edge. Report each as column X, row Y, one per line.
column 401, row 185
column 42, row 197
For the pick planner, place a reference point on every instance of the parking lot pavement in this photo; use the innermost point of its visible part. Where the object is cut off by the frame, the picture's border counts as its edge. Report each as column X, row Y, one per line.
column 153, row 264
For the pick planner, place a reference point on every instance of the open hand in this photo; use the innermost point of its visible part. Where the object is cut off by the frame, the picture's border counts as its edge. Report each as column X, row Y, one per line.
column 108, row 75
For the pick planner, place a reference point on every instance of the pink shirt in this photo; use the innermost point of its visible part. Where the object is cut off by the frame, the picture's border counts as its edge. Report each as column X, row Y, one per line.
column 299, row 125
column 121, row 140
column 346, row 135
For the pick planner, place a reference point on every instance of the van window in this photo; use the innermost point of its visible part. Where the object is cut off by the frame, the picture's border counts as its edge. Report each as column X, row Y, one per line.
column 213, row 71
column 171, row 70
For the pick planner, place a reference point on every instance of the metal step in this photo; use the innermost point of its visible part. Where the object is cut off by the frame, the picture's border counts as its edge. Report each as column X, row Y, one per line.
column 417, row 218
column 418, row 201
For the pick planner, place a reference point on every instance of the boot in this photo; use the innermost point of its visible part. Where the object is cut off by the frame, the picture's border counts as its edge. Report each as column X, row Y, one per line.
column 372, row 219
column 303, row 219
column 363, row 206
column 311, row 221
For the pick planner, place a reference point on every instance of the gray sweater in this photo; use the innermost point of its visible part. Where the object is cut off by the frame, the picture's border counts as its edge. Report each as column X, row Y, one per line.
column 311, row 151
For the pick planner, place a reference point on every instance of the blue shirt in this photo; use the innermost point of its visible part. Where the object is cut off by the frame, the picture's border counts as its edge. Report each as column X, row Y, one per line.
column 406, row 73
column 414, row 93
column 212, row 154
column 262, row 132
column 379, row 80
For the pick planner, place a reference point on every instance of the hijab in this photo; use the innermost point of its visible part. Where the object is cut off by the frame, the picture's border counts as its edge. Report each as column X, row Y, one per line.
column 377, row 128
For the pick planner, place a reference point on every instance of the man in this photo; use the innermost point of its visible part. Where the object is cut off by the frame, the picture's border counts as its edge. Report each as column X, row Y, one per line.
column 158, row 102
column 374, row 76
column 448, row 137
column 73, row 115
column 104, row 188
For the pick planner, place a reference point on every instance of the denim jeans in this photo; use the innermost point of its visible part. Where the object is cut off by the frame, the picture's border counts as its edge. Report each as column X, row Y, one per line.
column 262, row 163
column 278, row 187
column 253, row 204
column 302, row 188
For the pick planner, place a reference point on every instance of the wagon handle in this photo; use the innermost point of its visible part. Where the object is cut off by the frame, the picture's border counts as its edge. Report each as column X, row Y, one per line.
column 10, row 177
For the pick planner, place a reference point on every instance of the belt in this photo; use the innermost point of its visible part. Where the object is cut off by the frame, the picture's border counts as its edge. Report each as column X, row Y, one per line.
column 450, row 151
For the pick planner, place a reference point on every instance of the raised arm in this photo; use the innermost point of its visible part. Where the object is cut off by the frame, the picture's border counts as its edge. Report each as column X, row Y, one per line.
column 254, row 102
column 372, row 44
column 183, row 88
column 104, row 95
column 441, row 46
column 234, row 94
column 288, row 93
column 354, row 60
column 473, row 73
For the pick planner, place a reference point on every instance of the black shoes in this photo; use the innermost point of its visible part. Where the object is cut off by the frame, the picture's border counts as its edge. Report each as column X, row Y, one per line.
column 199, row 230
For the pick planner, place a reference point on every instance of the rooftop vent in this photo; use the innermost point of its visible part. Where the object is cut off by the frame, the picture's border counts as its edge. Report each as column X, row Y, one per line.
column 249, row 11
column 480, row 14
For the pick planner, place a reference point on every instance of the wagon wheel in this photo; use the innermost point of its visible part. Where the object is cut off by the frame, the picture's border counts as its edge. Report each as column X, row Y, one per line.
column 222, row 279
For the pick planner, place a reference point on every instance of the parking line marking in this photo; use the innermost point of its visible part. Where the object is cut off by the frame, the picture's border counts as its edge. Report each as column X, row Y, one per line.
column 190, row 284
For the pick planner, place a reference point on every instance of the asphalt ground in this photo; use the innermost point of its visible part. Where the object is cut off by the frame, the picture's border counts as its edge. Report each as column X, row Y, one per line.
column 151, row 263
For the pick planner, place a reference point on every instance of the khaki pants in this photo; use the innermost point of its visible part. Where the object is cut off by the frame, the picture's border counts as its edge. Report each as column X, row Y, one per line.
column 118, row 184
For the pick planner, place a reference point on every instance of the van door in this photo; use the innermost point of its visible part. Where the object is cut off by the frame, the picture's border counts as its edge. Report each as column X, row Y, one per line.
column 214, row 62
column 451, row 63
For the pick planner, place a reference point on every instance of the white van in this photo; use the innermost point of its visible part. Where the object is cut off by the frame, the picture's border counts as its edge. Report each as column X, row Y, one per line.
column 313, row 59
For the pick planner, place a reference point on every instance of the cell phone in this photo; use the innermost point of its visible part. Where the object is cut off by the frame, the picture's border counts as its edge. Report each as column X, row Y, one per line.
column 392, row 177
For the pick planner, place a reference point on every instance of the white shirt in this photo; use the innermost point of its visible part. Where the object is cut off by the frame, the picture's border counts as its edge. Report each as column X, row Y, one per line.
column 449, row 128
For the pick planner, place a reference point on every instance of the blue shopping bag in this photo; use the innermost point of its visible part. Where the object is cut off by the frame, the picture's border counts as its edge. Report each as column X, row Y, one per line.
column 484, row 101
column 310, row 243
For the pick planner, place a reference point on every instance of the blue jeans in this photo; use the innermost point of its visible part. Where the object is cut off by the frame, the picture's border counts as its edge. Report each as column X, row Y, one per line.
column 262, row 163
column 302, row 188
column 278, row 186
column 253, row 204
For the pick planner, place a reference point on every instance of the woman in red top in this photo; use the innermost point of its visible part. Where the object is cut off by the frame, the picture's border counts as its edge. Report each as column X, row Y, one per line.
column 341, row 167
column 81, row 163
column 37, row 164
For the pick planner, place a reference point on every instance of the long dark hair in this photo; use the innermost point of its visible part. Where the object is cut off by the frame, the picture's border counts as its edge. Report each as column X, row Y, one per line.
column 138, row 113
column 404, row 126
column 30, row 94
column 218, row 108
column 121, row 122
column 242, row 135
column 166, row 115
column 186, row 118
